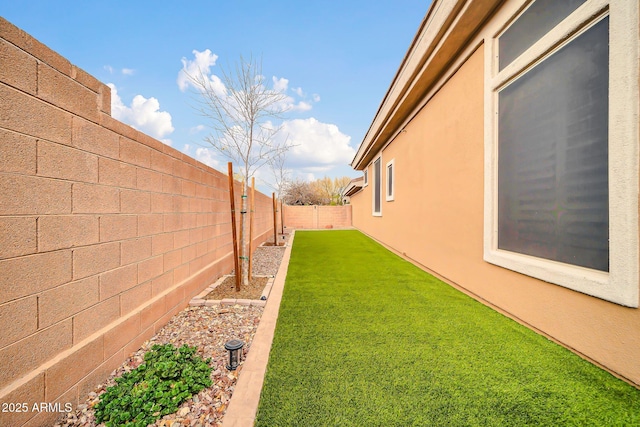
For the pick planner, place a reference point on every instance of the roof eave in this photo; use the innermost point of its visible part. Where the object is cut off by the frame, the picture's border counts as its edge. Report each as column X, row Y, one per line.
column 445, row 30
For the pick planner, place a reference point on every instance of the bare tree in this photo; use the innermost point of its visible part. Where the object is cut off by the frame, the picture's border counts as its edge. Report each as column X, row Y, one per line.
column 299, row 192
column 280, row 174
column 241, row 111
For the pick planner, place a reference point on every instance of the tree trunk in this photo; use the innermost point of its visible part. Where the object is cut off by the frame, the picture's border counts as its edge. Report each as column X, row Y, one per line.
column 243, row 237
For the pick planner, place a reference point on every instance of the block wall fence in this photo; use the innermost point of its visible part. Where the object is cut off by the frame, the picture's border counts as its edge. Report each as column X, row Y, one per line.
column 105, row 232
column 312, row 217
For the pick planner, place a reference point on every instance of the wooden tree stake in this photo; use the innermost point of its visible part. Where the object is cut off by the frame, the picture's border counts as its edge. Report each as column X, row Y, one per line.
column 275, row 220
column 232, row 200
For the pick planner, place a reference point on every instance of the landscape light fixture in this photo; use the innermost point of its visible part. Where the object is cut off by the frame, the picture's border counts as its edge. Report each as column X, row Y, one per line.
column 234, row 347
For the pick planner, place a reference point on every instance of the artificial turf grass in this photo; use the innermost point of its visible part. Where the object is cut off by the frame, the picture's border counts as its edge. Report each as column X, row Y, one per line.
column 365, row 338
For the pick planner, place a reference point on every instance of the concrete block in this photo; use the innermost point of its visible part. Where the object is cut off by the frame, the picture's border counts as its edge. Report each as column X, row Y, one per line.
column 150, row 268
column 19, row 319
column 170, row 184
column 116, row 173
column 162, row 283
column 59, row 161
column 88, row 198
column 95, row 259
column 132, row 152
column 18, row 236
column 24, row 114
column 30, row 352
column 172, row 259
column 17, row 153
column 148, row 180
column 19, row 69
column 133, row 201
column 17, row 195
column 93, row 138
column 117, row 281
column 66, row 231
column 161, row 162
column 149, row 224
column 134, row 298
column 29, row 392
column 94, row 318
column 118, row 227
column 152, row 313
column 116, row 338
column 161, row 243
column 61, row 90
column 64, row 301
column 135, row 250
column 69, row 370
column 161, row 203
column 31, row 274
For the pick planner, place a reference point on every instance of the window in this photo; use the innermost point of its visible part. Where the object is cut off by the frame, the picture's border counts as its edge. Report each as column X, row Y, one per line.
column 390, row 181
column 366, row 177
column 561, row 146
column 377, row 187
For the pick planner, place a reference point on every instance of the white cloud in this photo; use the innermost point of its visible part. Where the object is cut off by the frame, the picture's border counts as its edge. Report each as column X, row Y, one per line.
column 196, row 129
column 208, row 157
column 316, row 97
column 317, row 146
column 302, row 106
column 202, row 63
column 143, row 114
column 128, row 71
column 280, row 84
column 109, row 68
column 200, row 68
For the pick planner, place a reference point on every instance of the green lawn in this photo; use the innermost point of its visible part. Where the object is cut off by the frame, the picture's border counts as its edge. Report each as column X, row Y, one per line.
column 365, row 338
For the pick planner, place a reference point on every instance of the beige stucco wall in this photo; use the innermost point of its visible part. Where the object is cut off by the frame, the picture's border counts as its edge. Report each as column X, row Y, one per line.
column 436, row 220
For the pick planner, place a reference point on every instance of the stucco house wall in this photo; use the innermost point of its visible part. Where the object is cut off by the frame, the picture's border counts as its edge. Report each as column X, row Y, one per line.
column 435, row 134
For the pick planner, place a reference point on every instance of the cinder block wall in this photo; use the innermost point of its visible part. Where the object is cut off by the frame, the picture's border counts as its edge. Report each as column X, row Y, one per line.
column 311, row 217
column 105, row 233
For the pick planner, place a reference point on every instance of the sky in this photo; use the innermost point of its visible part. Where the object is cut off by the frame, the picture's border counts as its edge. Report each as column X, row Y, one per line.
column 333, row 60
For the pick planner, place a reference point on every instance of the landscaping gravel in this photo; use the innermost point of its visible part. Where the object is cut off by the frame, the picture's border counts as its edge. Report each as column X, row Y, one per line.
column 207, row 328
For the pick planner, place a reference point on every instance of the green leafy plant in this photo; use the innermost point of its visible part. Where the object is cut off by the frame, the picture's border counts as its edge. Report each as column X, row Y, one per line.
column 168, row 377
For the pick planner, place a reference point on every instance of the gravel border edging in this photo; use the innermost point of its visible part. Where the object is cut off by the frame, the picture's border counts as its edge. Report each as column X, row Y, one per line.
column 199, row 300
column 243, row 405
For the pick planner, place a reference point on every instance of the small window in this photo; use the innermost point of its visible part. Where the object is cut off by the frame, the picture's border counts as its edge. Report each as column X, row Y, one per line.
column 390, row 181
column 366, row 177
column 377, row 187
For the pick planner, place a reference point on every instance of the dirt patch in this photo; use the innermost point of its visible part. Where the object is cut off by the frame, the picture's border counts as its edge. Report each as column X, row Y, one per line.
column 227, row 289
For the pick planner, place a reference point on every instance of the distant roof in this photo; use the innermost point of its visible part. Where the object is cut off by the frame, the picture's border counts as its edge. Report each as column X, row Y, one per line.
column 354, row 186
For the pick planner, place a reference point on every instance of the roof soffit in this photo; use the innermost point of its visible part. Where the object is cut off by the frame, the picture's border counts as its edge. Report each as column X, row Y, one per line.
column 444, row 32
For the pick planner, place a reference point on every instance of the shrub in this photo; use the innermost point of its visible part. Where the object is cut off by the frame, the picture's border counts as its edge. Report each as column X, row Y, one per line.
column 168, row 377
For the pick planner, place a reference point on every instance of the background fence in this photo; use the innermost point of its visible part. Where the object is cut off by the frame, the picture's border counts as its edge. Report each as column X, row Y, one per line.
column 311, row 217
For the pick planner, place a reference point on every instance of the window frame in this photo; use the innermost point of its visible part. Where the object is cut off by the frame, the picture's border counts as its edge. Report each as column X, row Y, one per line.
column 390, row 188
column 620, row 285
column 378, row 177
